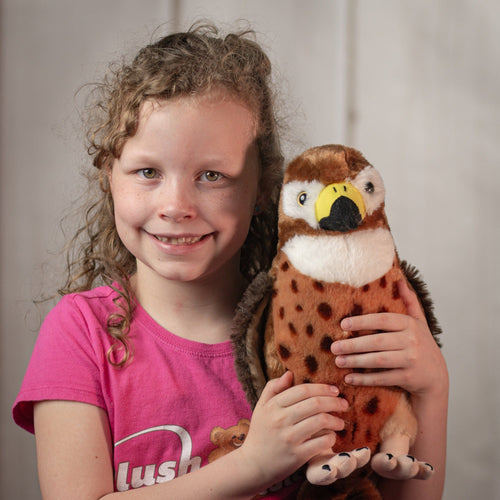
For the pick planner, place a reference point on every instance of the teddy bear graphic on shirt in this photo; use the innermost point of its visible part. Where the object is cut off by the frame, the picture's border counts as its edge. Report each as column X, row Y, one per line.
column 228, row 439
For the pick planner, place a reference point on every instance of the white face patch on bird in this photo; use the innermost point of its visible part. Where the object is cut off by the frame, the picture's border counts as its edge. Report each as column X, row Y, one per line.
column 369, row 183
column 341, row 206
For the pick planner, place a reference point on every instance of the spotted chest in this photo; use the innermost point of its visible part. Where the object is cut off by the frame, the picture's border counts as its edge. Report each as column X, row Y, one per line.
column 306, row 316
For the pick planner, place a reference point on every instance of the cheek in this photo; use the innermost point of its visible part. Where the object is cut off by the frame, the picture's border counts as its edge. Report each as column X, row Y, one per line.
column 238, row 206
column 129, row 209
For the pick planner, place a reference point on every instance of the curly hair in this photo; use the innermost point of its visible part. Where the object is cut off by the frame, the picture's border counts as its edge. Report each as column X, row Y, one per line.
column 187, row 64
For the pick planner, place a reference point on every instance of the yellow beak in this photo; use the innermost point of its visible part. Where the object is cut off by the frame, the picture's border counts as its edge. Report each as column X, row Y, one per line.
column 340, row 207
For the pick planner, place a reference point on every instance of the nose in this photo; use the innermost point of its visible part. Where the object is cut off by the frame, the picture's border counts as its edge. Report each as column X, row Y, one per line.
column 177, row 201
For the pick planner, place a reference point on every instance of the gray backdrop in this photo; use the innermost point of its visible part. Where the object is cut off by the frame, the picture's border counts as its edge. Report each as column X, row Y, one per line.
column 414, row 85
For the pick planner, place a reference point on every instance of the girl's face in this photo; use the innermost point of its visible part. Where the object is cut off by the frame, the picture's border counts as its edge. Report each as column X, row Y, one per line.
column 185, row 187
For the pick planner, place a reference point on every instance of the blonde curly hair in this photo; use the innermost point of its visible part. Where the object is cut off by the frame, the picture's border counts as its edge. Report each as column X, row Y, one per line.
column 191, row 63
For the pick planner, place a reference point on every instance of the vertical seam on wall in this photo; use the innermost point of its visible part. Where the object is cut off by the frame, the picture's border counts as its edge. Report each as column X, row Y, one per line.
column 340, row 109
column 350, row 69
column 176, row 14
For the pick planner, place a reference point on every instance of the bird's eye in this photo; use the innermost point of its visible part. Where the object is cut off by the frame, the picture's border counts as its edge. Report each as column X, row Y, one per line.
column 301, row 199
column 369, row 187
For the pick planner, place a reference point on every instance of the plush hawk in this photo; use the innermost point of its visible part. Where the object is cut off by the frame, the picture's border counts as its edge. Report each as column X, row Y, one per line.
column 335, row 258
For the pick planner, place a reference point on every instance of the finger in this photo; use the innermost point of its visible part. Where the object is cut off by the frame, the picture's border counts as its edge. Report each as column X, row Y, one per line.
column 384, row 322
column 303, row 392
column 384, row 378
column 276, row 386
column 317, row 405
column 410, row 300
column 317, row 425
column 385, row 360
column 386, row 341
column 317, row 444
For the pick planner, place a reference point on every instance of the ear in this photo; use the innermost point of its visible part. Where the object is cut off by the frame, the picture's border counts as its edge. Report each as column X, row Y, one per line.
column 105, row 178
column 216, row 434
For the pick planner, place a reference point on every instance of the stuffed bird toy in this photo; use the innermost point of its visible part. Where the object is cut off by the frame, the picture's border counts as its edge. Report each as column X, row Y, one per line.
column 335, row 258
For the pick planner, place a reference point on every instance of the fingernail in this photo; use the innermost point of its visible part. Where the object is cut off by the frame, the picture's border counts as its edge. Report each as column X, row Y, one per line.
column 349, row 379
column 334, row 389
column 340, row 361
column 346, row 323
column 336, row 347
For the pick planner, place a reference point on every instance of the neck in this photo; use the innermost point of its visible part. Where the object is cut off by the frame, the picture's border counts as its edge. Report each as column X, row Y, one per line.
column 200, row 310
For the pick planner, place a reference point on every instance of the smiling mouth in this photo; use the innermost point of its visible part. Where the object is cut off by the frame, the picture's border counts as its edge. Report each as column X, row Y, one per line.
column 180, row 241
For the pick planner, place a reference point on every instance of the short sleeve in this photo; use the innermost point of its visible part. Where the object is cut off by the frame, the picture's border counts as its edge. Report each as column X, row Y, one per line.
column 66, row 361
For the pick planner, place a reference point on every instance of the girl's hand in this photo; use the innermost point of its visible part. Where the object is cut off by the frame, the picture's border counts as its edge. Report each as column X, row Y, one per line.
column 289, row 426
column 405, row 353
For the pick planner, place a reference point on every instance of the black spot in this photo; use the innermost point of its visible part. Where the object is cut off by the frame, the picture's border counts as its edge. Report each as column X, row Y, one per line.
column 285, row 266
column 325, row 311
column 318, row 286
column 383, row 309
column 395, row 291
column 292, row 329
column 326, row 343
column 382, row 282
column 366, row 288
column 354, row 429
column 294, row 287
column 357, row 310
column 309, row 330
column 306, row 380
column 284, row 352
column 299, row 308
column 311, row 364
column 281, row 312
column 371, row 407
column 341, row 434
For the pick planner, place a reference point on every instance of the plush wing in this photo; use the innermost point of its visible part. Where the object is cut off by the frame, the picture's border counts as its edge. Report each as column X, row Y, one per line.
column 248, row 336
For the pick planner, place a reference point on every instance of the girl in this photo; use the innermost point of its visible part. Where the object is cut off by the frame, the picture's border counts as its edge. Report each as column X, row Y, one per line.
column 132, row 382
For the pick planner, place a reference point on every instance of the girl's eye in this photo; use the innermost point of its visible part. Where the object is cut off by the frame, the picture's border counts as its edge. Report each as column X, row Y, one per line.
column 211, row 176
column 148, row 173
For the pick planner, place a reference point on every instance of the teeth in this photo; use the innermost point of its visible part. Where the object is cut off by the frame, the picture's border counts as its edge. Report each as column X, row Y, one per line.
column 188, row 240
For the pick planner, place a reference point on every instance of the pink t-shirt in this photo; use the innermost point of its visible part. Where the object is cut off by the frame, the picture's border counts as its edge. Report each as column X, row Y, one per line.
column 171, row 410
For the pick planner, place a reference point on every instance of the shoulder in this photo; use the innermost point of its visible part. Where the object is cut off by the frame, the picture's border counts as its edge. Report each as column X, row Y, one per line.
column 99, row 302
column 103, row 295
column 79, row 321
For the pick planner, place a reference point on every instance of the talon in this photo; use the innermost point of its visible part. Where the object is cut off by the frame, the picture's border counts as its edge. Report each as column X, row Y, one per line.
column 326, row 467
column 390, row 456
column 411, row 458
column 344, row 454
column 429, row 465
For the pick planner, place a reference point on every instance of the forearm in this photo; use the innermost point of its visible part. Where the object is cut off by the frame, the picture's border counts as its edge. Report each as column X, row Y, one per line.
column 226, row 478
column 430, row 446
